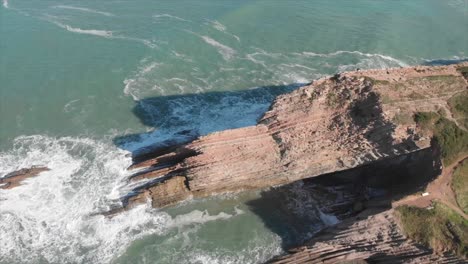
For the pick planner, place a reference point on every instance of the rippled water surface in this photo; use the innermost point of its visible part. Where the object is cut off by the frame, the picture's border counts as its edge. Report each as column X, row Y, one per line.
column 85, row 83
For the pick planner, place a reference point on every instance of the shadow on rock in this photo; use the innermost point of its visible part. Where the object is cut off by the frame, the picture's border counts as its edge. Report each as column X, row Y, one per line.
column 297, row 211
column 368, row 115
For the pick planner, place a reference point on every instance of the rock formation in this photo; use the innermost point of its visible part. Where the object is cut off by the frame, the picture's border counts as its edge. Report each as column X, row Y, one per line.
column 14, row 179
column 333, row 124
column 370, row 237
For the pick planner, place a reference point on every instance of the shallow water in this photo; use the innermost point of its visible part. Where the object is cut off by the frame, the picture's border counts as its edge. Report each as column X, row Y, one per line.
column 85, row 83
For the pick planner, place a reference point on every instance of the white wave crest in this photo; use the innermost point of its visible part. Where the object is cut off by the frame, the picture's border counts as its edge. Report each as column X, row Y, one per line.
column 160, row 16
column 5, row 3
column 83, row 9
column 225, row 51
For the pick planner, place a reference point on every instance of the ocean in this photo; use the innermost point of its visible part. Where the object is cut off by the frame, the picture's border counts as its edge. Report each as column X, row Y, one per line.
column 84, row 84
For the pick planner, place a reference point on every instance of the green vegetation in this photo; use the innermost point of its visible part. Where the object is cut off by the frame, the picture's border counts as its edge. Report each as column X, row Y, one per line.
column 459, row 107
column 439, row 228
column 452, row 140
column 460, row 185
column 425, row 119
column 463, row 70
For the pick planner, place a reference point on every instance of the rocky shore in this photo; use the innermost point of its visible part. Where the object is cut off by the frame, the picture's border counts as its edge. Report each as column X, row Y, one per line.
column 15, row 178
column 333, row 124
column 355, row 134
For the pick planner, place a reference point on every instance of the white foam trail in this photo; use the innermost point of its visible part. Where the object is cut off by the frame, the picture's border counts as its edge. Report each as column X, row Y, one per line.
column 100, row 33
column 158, row 16
column 95, row 32
column 83, row 9
column 5, row 3
column 200, row 217
column 134, row 84
column 225, row 51
column 368, row 55
column 146, row 42
column 69, row 106
column 220, row 27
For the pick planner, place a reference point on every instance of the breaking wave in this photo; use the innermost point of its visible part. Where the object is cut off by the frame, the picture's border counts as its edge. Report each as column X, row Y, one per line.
column 5, row 3
column 83, row 9
column 50, row 217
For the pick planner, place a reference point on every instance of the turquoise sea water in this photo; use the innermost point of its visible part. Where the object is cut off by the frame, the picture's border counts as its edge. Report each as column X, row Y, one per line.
column 85, row 83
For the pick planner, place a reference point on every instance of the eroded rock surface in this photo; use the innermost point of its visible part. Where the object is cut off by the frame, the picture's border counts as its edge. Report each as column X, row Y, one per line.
column 333, row 124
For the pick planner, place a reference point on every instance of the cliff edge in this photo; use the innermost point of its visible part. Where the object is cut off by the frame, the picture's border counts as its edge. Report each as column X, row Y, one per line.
column 332, row 124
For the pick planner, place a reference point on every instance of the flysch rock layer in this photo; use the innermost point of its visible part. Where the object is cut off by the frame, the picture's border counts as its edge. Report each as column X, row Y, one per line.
column 370, row 237
column 333, row 124
column 15, row 179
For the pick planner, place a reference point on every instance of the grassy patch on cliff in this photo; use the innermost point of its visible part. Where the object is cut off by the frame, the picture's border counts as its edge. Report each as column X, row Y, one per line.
column 440, row 228
column 460, row 185
column 452, row 140
column 463, row 70
column 459, row 107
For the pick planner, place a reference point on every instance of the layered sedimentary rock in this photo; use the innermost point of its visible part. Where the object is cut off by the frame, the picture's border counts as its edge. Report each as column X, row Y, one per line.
column 370, row 237
column 14, row 179
column 333, row 124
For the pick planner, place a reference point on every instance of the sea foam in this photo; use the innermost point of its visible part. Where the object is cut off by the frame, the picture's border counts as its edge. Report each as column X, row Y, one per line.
column 134, row 85
column 95, row 32
column 226, row 52
column 51, row 217
column 222, row 28
column 161, row 16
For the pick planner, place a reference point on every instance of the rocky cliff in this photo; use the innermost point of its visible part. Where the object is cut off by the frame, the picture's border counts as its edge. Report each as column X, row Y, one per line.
column 370, row 237
column 332, row 124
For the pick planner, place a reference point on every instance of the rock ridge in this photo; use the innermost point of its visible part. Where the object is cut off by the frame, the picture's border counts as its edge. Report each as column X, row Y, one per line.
column 333, row 124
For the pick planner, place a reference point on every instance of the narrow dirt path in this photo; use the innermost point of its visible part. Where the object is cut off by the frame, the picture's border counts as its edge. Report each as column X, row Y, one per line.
column 438, row 190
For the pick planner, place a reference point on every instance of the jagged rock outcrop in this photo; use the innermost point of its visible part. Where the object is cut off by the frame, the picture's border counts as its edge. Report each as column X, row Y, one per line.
column 14, row 179
column 370, row 237
column 333, row 124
